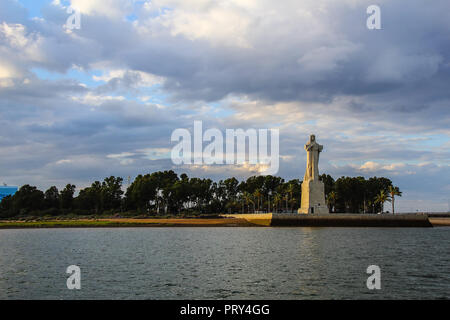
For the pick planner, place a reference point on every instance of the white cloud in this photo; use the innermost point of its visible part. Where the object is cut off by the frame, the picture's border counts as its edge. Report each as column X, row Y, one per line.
column 124, row 158
column 371, row 166
column 305, row 67
column 220, row 25
column 97, row 100
column 109, row 8
column 64, row 161
column 155, row 153
column 18, row 50
column 14, row 34
column 239, row 170
column 137, row 78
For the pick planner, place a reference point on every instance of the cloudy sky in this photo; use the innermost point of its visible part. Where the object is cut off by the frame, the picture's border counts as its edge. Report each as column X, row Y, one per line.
column 79, row 105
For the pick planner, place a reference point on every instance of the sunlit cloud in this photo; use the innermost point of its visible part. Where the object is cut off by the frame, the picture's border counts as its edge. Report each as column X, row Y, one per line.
column 103, row 100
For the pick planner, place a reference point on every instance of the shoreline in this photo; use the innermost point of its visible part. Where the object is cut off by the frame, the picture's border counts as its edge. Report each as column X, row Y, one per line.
column 242, row 220
column 125, row 223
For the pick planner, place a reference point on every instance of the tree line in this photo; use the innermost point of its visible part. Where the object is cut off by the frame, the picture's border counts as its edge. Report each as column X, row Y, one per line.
column 166, row 193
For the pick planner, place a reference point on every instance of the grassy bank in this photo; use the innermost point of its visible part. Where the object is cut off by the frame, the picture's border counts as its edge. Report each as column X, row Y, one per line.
column 123, row 222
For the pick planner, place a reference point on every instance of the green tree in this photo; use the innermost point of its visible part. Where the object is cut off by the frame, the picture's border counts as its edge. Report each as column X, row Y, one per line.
column 26, row 201
column 164, row 181
column 328, row 182
column 258, row 194
column 6, row 207
column 331, row 200
column 164, row 191
column 248, row 200
column 90, row 198
column 141, row 194
column 294, row 188
column 66, row 196
column 354, row 193
column 277, row 199
column 111, row 193
column 394, row 191
column 373, row 187
column 381, row 198
column 52, row 198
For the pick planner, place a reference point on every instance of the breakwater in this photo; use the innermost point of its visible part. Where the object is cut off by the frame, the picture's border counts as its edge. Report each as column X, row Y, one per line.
column 337, row 220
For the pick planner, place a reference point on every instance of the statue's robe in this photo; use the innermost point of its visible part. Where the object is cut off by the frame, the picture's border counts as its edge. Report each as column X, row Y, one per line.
column 312, row 165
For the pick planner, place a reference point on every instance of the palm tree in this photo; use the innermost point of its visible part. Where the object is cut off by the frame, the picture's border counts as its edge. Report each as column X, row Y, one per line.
column 331, row 200
column 276, row 200
column 382, row 197
column 394, row 191
column 292, row 202
column 257, row 194
column 286, row 198
column 290, row 190
column 248, row 199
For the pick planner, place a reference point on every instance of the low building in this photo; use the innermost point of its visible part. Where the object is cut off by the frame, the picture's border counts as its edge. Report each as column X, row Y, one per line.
column 7, row 191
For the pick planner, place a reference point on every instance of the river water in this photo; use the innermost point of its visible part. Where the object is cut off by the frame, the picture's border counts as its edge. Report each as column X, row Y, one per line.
column 225, row 263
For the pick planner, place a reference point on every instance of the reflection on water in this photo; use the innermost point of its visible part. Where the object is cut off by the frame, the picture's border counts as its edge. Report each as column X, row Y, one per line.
column 225, row 263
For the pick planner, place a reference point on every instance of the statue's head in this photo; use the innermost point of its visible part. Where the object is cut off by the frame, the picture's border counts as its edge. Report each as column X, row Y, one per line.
column 312, row 138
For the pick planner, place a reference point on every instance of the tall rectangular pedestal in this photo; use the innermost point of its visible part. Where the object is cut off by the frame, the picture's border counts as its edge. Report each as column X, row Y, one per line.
column 313, row 198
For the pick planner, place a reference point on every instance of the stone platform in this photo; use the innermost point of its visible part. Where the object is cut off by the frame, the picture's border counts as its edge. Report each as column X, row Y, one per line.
column 351, row 220
column 336, row 220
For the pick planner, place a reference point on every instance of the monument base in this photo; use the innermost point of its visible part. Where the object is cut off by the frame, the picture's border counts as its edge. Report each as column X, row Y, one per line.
column 313, row 198
column 351, row 220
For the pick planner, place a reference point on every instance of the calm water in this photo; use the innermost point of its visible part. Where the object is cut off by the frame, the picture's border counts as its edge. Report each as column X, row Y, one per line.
column 225, row 263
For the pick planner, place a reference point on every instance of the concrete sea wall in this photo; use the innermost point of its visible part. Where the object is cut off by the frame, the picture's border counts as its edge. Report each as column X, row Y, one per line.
column 337, row 220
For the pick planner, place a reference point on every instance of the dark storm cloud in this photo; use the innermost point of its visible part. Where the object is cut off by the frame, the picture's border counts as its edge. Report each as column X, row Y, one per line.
column 370, row 95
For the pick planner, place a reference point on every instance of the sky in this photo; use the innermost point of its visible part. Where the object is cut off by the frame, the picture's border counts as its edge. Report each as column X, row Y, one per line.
column 78, row 105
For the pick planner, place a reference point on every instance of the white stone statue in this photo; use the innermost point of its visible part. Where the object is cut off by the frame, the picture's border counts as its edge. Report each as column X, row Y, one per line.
column 313, row 150
column 313, row 194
